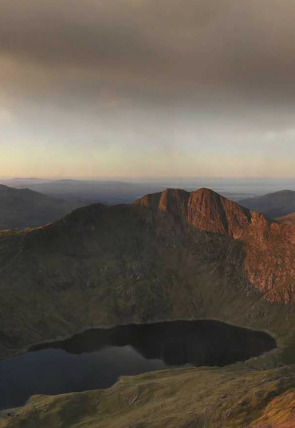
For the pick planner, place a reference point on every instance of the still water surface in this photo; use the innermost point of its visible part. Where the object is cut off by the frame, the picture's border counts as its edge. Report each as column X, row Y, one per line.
column 98, row 357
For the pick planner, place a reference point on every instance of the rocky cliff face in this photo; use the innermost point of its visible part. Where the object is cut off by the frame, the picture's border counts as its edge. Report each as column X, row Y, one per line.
column 269, row 246
column 203, row 209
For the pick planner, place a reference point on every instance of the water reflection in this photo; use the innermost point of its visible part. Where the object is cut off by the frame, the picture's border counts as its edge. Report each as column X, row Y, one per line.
column 202, row 342
column 97, row 357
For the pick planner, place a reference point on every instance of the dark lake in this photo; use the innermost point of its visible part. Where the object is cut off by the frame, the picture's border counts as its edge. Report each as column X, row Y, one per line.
column 96, row 358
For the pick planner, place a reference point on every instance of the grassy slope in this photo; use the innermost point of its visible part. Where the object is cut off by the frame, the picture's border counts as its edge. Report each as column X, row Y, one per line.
column 232, row 397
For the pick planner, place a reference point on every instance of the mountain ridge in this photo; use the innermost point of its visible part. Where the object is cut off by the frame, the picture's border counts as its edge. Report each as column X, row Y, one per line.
column 170, row 255
column 273, row 205
column 176, row 212
column 203, row 209
column 206, row 210
column 20, row 208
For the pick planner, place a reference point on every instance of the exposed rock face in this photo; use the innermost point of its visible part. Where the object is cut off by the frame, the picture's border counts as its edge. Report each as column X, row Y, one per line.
column 203, row 209
column 269, row 246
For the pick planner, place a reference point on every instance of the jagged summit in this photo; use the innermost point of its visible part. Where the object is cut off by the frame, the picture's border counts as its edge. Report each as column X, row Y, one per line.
column 203, row 209
column 174, row 216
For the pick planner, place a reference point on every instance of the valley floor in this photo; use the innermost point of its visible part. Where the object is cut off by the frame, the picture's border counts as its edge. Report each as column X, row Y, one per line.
column 236, row 396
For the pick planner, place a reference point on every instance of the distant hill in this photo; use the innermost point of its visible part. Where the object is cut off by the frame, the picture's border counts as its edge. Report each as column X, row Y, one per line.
column 287, row 219
column 109, row 192
column 22, row 182
column 20, row 208
column 92, row 191
column 272, row 205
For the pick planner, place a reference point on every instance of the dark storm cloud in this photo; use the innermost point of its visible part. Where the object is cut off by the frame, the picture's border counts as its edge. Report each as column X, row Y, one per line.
column 83, row 33
column 243, row 45
column 218, row 66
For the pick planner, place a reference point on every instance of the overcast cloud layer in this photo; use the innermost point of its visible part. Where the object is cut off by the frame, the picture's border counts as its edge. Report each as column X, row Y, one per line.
column 144, row 87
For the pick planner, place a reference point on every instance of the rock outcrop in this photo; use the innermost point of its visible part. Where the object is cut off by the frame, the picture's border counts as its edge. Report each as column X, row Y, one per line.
column 269, row 246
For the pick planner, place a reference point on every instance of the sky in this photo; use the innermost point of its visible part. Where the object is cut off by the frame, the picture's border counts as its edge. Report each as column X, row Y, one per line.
column 147, row 88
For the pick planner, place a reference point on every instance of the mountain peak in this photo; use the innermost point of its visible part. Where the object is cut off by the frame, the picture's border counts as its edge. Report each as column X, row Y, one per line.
column 203, row 209
column 212, row 212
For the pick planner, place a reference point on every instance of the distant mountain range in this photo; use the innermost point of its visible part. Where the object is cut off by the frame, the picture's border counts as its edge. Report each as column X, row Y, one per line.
column 43, row 202
column 20, row 208
column 46, row 201
column 92, row 191
column 272, row 205
column 108, row 192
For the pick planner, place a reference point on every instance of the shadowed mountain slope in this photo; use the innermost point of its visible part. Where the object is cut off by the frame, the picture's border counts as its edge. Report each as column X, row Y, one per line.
column 169, row 255
column 272, row 205
column 20, row 208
